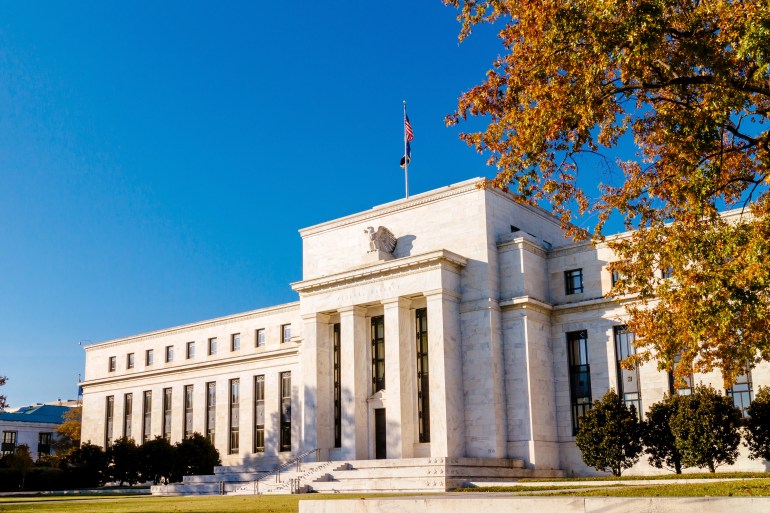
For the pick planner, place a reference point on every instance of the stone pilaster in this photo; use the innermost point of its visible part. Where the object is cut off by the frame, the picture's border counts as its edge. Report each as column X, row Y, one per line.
column 447, row 413
column 354, row 362
column 400, row 381
column 316, row 393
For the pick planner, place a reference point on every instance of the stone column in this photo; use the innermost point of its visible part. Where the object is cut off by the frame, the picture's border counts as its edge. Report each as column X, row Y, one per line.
column 400, row 379
column 445, row 378
column 316, row 384
column 354, row 362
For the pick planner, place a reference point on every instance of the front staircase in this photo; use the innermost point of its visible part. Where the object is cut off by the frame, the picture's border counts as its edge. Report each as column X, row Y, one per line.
column 412, row 475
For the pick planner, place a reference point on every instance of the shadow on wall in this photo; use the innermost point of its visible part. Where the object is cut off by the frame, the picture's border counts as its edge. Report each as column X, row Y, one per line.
column 404, row 246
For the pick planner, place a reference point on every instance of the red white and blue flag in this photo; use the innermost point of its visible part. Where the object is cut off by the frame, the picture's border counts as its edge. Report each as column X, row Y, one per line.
column 408, row 138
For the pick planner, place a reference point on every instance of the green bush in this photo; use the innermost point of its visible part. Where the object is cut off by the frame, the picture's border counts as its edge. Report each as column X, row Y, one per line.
column 10, row 480
column 658, row 439
column 45, row 478
column 758, row 425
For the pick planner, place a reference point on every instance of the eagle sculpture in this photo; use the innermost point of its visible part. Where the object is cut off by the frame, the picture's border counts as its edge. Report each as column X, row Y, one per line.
column 382, row 239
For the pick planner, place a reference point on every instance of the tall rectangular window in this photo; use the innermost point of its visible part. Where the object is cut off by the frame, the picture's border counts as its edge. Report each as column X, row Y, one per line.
column 147, row 416
column 44, row 442
column 167, row 414
column 112, row 364
column 128, row 411
column 286, row 333
column 378, row 353
column 337, row 377
column 259, row 337
column 211, row 410
column 573, row 281
column 259, row 413
column 579, row 375
column 169, row 354
column 235, row 342
column 149, row 357
column 130, row 361
column 423, row 388
column 684, row 387
column 234, row 415
column 188, row 411
column 628, row 380
column 741, row 391
column 212, row 346
column 285, row 438
column 109, row 416
column 190, row 352
column 9, row 442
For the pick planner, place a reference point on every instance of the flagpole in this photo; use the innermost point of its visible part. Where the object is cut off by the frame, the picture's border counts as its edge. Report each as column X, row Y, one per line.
column 406, row 157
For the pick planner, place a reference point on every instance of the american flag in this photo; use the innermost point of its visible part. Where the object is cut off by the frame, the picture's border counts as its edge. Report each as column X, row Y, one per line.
column 408, row 133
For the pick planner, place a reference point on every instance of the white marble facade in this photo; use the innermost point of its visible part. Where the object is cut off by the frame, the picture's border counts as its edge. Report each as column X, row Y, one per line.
column 490, row 275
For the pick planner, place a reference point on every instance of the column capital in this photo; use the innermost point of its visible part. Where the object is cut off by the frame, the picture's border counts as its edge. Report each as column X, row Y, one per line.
column 317, row 317
column 401, row 302
column 356, row 310
column 445, row 293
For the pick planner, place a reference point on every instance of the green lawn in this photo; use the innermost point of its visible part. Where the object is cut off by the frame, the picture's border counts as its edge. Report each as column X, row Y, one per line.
column 742, row 488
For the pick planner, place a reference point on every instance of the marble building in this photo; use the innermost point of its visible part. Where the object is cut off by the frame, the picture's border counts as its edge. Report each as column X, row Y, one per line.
column 455, row 323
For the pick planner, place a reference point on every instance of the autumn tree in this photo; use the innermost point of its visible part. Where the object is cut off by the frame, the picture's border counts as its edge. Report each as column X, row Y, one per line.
column 687, row 84
column 609, row 437
column 3, row 399
column 69, row 431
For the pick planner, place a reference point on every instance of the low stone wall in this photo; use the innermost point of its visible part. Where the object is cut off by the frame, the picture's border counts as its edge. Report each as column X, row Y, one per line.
column 510, row 504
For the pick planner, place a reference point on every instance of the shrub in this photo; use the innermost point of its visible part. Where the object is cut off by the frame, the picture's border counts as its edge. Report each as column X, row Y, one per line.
column 195, row 455
column 609, row 437
column 658, row 439
column 123, row 461
column 157, row 460
column 758, row 425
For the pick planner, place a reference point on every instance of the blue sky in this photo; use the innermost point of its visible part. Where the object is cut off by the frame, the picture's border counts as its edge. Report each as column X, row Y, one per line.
column 158, row 158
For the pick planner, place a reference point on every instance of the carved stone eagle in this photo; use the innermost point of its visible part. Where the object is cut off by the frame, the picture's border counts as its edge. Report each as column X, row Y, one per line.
column 381, row 240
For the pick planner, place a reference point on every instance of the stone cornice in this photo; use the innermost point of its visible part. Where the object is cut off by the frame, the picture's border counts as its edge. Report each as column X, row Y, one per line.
column 219, row 321
column 194, row 367
column 395, row 206
column 527, row 302
column 381, row 271
column 525, row 242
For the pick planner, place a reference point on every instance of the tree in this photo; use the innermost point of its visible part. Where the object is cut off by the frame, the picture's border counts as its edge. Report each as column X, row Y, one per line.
column 123, row 463
column 157, row 459
column 658, row 439
column 195, row 455
column 87, row 465
column 69, row 431
column 21, row 462
column 758, row 425
column 3, row 399
column 705, row 428
column 687, row 82
column 609, row 437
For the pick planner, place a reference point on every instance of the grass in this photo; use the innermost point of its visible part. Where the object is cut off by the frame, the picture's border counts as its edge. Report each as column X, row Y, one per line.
column 705, row 475
column 149, row 504
column 747, row 488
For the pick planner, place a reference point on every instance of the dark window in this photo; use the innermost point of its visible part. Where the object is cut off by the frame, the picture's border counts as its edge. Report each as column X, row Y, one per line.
column 235, row 401
column 235, row 342
column 167, row 414
column 615, row 277
column 378, row 353
column 259, row 413
column 741, row 392
column 337, row 387
column 147, row 416
column 628, row 380
column 667, row 272
column 259, row 338
column 285, row 442
column 188, row 411
column 190, row 352
column 573, row 281
column 113, row 363
column 286, row 333
column 212, row 346
column 130, row 361
column 44, row 442
column 169, row 354
column 211, row 410
column 109, row 412
column 128, row 410
column 684, row 387
column 579, row 374
column 423, row 387
column 9, row 442
column 149, row 357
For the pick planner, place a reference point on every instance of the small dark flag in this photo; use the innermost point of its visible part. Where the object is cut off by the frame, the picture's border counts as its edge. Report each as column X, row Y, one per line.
column 408, row 137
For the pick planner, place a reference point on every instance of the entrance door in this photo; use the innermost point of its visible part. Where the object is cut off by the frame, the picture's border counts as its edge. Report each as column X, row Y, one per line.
column 380, row 449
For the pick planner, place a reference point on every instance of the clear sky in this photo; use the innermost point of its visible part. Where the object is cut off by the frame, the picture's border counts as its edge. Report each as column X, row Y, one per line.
column 158, row 158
